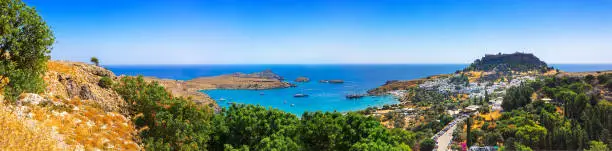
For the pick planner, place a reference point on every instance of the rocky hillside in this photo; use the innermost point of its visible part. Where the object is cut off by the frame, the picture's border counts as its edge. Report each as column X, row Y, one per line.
column 74, row 80
column 521, row 62
column 74, row 113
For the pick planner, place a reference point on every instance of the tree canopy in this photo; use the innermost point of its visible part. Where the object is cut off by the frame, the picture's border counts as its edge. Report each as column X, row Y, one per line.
column 25, row 44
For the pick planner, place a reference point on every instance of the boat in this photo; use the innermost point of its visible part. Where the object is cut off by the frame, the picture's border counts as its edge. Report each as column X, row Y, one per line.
column 354, row 96
column 292, row 105
column 285, row 102
column 222, row 99
column 261, row 93
column 300, row 95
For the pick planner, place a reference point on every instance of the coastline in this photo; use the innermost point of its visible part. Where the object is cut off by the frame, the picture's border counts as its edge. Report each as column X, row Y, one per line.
column 193, row 88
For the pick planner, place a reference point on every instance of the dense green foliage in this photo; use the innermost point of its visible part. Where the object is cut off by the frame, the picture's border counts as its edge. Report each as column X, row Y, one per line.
column 168, row 123
column 506, row 62
column 597, row 146
column 461, row 79
column 171, row 123
column 427, row 145
column 575, row 116
column 517, row 97
column 25, row 44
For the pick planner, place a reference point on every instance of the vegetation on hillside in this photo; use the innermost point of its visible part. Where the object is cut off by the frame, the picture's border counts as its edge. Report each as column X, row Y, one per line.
column 521, row 62
column 576, row 116
column 25, row 44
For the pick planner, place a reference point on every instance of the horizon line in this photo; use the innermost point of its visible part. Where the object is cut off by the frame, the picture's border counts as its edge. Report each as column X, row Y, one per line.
column 178, row 64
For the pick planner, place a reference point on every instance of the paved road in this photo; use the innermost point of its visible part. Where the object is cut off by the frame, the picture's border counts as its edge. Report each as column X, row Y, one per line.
column 445, row 139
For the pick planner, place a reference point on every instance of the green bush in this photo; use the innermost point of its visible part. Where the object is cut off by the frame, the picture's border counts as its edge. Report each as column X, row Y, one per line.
column 105, row 82
column 26, row 44
column 427, row 144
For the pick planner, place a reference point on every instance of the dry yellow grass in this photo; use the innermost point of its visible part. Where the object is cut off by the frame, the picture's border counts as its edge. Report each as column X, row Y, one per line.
column 89, row 127
column 491, row 116
column 60, row 67
column 473, row 76
column 17, row 134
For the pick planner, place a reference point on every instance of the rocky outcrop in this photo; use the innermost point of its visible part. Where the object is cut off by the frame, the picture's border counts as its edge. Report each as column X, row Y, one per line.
column 302, row 79
column 266, row 74
column 74, row 80
column 30, row 98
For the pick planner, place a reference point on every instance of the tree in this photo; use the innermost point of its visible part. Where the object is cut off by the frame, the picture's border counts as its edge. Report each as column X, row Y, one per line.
column 521, row 147
column 427, row 145
column 25, row 44
column 603, row 78
column 278, row 143
column 469, row 134
column 597, row 146
column 486, row 97
column 378, row 145
column 105, row 82
column 531, row 134
column 589, row 79
column 95, row 61
column 516, row 97
column 492, row 138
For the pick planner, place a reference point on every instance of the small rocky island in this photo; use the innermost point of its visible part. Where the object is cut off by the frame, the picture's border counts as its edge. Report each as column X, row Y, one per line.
column 302, row 79
column 256, row 81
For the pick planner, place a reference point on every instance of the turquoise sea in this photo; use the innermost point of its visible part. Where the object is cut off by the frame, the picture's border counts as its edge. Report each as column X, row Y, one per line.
column 323, row 96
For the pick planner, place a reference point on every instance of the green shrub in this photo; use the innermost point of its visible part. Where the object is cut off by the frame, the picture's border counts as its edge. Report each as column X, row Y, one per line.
column 105, row 82
column 26, row 44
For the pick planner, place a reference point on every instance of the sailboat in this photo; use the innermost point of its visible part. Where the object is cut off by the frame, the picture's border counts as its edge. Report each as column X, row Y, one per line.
column 354, row 95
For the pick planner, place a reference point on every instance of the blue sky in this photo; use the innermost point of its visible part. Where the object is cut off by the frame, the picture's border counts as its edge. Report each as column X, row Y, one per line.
column 327, row 31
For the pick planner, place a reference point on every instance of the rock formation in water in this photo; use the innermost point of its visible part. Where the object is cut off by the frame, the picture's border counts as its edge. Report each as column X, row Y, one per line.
column 302, row 79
